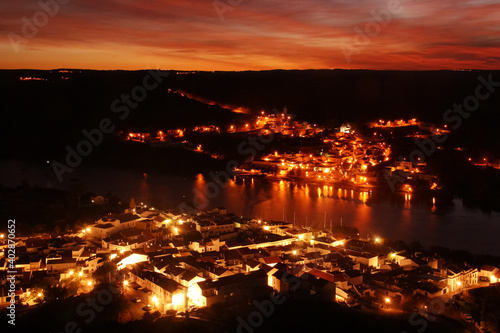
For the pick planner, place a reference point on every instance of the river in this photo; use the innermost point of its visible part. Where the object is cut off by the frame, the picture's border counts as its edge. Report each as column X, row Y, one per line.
column 373, row 214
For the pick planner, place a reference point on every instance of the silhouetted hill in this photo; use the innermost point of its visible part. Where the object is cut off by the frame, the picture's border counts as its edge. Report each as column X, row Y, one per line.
column 41, row 117
column 335, row 96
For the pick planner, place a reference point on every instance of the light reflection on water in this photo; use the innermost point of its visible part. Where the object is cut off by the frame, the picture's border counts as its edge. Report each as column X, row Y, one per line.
column 372, row 213
column 459, row 228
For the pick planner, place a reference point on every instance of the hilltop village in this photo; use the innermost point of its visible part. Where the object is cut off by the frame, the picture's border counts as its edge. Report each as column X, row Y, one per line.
column 302, row 152
column 183, row 263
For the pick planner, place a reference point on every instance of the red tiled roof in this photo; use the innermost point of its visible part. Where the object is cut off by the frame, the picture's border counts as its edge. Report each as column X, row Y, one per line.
column 322, row 275
column 488, row 268
column 271, row 260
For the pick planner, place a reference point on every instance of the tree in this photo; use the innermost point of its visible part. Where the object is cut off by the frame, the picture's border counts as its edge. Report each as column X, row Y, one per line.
column 56, row 293
column 148, row 316
column 103, row 273
column 44, row 283
column 72, row 285
column 118, row 308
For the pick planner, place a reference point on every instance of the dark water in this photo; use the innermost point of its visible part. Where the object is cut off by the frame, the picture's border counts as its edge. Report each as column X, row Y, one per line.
column 395, row 216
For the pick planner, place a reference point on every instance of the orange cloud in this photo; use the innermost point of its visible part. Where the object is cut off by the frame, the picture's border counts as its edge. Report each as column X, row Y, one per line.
column 264, row 34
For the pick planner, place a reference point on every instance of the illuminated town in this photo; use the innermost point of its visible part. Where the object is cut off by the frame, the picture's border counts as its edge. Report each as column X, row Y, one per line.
column 342, row 157
column 250, row 166
column 182, row 264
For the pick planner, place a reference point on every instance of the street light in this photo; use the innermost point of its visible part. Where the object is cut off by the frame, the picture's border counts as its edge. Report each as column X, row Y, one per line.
column 155, row 301
column 387, row 302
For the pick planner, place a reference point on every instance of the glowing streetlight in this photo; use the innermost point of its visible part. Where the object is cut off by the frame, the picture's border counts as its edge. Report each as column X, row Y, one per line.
column 80, row 274
column 387, row 300
column 2, row 236
column 71, row 272
column 393, row 255
column 177, row 300
column 39, row 295
column 88, row 229
column 89, row 283
column 377, row 240
column 125, row 283
column 459, row 285
column 294, row 252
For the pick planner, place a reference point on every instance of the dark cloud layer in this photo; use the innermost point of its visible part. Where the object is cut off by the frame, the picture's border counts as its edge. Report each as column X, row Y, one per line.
column 255, row 34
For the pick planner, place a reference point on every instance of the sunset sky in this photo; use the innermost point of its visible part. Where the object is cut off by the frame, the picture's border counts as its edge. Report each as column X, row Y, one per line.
column 251, row 34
